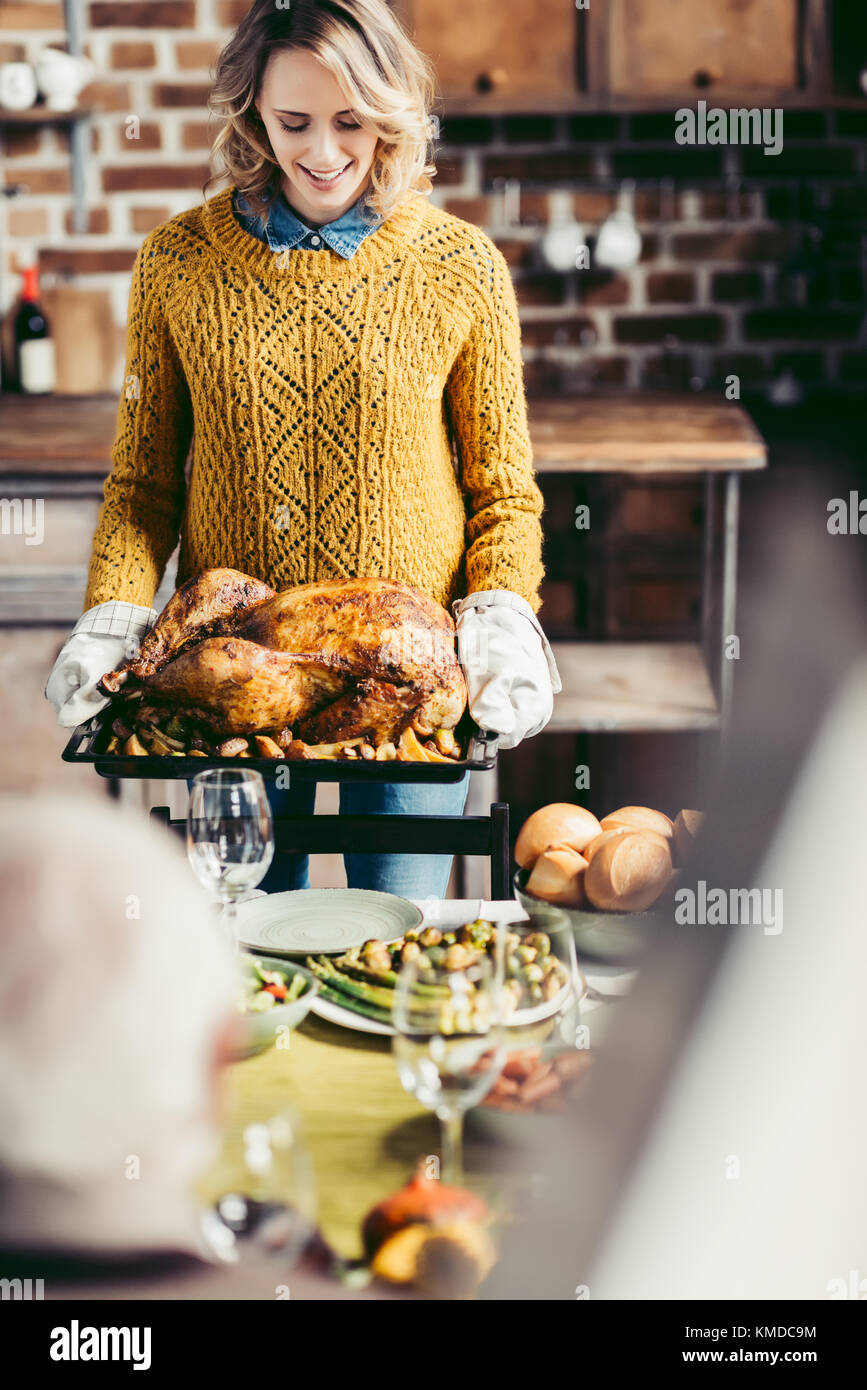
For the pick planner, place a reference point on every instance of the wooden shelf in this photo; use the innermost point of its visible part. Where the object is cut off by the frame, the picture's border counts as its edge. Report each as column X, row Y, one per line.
column 632, row 687
column 42, row 598
column 557, row 104
column 41, row 115
column 643, row 434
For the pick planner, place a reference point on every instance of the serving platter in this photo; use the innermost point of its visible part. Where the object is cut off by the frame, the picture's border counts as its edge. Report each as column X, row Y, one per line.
column 347, row 1018
column 88, row 742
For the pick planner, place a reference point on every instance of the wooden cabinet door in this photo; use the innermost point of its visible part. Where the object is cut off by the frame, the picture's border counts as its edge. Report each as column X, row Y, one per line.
column 489, row 54
column 31, row 741
column 660, row 47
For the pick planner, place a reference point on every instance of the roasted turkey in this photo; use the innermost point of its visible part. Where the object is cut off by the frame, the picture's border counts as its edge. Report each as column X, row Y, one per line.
column 337, row 659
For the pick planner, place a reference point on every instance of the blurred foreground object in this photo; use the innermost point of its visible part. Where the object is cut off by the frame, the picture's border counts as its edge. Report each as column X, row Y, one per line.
column 719, row 1148
column 752, row 1185
column 113, row 992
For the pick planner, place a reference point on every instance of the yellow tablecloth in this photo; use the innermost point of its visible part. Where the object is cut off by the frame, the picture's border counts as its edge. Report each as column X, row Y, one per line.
column 363, row 1131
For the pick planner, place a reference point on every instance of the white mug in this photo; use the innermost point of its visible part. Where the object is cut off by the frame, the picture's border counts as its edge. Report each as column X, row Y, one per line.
column 61, row 77
column 18, row 89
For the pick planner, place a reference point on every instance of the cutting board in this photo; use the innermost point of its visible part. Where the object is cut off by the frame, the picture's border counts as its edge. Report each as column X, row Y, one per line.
column 88, row 343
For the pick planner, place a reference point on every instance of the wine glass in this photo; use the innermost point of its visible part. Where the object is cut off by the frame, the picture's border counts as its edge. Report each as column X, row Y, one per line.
column 541, row 978
column 230, row 837
column 448, row 1042
column 259, row 1195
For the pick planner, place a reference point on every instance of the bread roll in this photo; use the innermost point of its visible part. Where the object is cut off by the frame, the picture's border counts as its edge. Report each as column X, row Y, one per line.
column 639, row 818
column 594, row 845
column 628, row 872
column 561, row 823
column 686, row 826
column 558, row 877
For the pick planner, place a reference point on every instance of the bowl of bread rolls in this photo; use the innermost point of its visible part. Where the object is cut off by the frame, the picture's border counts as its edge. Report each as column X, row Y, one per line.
column 607, row 878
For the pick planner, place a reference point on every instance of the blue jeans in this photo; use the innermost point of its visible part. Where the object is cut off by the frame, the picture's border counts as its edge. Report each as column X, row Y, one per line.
column 408, row 875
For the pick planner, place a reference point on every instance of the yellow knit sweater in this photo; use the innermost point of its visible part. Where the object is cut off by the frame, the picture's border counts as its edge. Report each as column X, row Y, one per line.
column 348, row 418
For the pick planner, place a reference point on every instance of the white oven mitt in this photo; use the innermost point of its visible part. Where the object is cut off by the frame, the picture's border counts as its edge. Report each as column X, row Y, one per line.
column 509, row 666
column 101, row 639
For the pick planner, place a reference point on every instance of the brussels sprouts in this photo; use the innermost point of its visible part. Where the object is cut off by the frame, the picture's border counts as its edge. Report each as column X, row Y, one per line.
column 552, row 984
column 477, row 933
column 540, row 942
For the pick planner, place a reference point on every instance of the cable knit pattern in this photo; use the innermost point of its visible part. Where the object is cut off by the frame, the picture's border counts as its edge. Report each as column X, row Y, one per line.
column 328, row 402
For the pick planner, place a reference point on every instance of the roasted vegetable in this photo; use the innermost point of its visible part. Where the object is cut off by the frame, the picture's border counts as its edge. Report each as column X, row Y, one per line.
column 232, row 747
column 424, row 1200
column 266, row 747
column 161, row 732
column 528, row 1084
column 447, row 1261
column 334, row 996
column 345, row 984
column 409, row 749
column 433, row 754
column 445, row 742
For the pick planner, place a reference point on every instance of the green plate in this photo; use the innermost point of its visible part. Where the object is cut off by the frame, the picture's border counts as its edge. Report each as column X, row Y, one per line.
column 323, row 921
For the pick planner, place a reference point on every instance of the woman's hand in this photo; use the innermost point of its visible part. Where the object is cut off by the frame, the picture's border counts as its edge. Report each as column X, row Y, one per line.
column 510, row 670
column 101, row 639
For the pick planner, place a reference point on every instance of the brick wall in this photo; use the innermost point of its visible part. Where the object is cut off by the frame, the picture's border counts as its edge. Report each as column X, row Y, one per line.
column 750, row 264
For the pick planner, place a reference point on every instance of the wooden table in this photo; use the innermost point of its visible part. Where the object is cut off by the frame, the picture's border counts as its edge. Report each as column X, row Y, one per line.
column 660, row 686
column 363, row 1130
column 643, row 433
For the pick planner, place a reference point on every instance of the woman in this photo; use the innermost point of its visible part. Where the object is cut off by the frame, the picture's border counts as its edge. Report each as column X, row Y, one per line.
column 327, row 339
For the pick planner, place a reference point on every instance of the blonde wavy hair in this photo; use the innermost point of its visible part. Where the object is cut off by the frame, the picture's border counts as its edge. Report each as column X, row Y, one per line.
column 388, row 82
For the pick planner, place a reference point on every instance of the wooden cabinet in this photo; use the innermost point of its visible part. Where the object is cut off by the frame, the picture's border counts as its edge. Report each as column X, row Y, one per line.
column 486, row 51
column 30, row 740
column 495, row 56
column 686, row 45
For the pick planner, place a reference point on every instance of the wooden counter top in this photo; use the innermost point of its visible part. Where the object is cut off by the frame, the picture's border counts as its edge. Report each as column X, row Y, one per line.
column 643, row 434
column 73, row 435
column 57, row 435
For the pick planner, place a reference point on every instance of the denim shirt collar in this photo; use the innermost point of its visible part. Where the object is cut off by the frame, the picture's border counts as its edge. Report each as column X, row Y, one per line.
column 285, row 231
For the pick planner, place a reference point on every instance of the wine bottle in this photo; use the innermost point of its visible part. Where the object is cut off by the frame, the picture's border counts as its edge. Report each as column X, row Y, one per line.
column 34, row 346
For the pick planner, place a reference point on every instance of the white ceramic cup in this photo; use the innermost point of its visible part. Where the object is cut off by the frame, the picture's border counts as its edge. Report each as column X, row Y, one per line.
column 18, row 89
column 61, row 77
